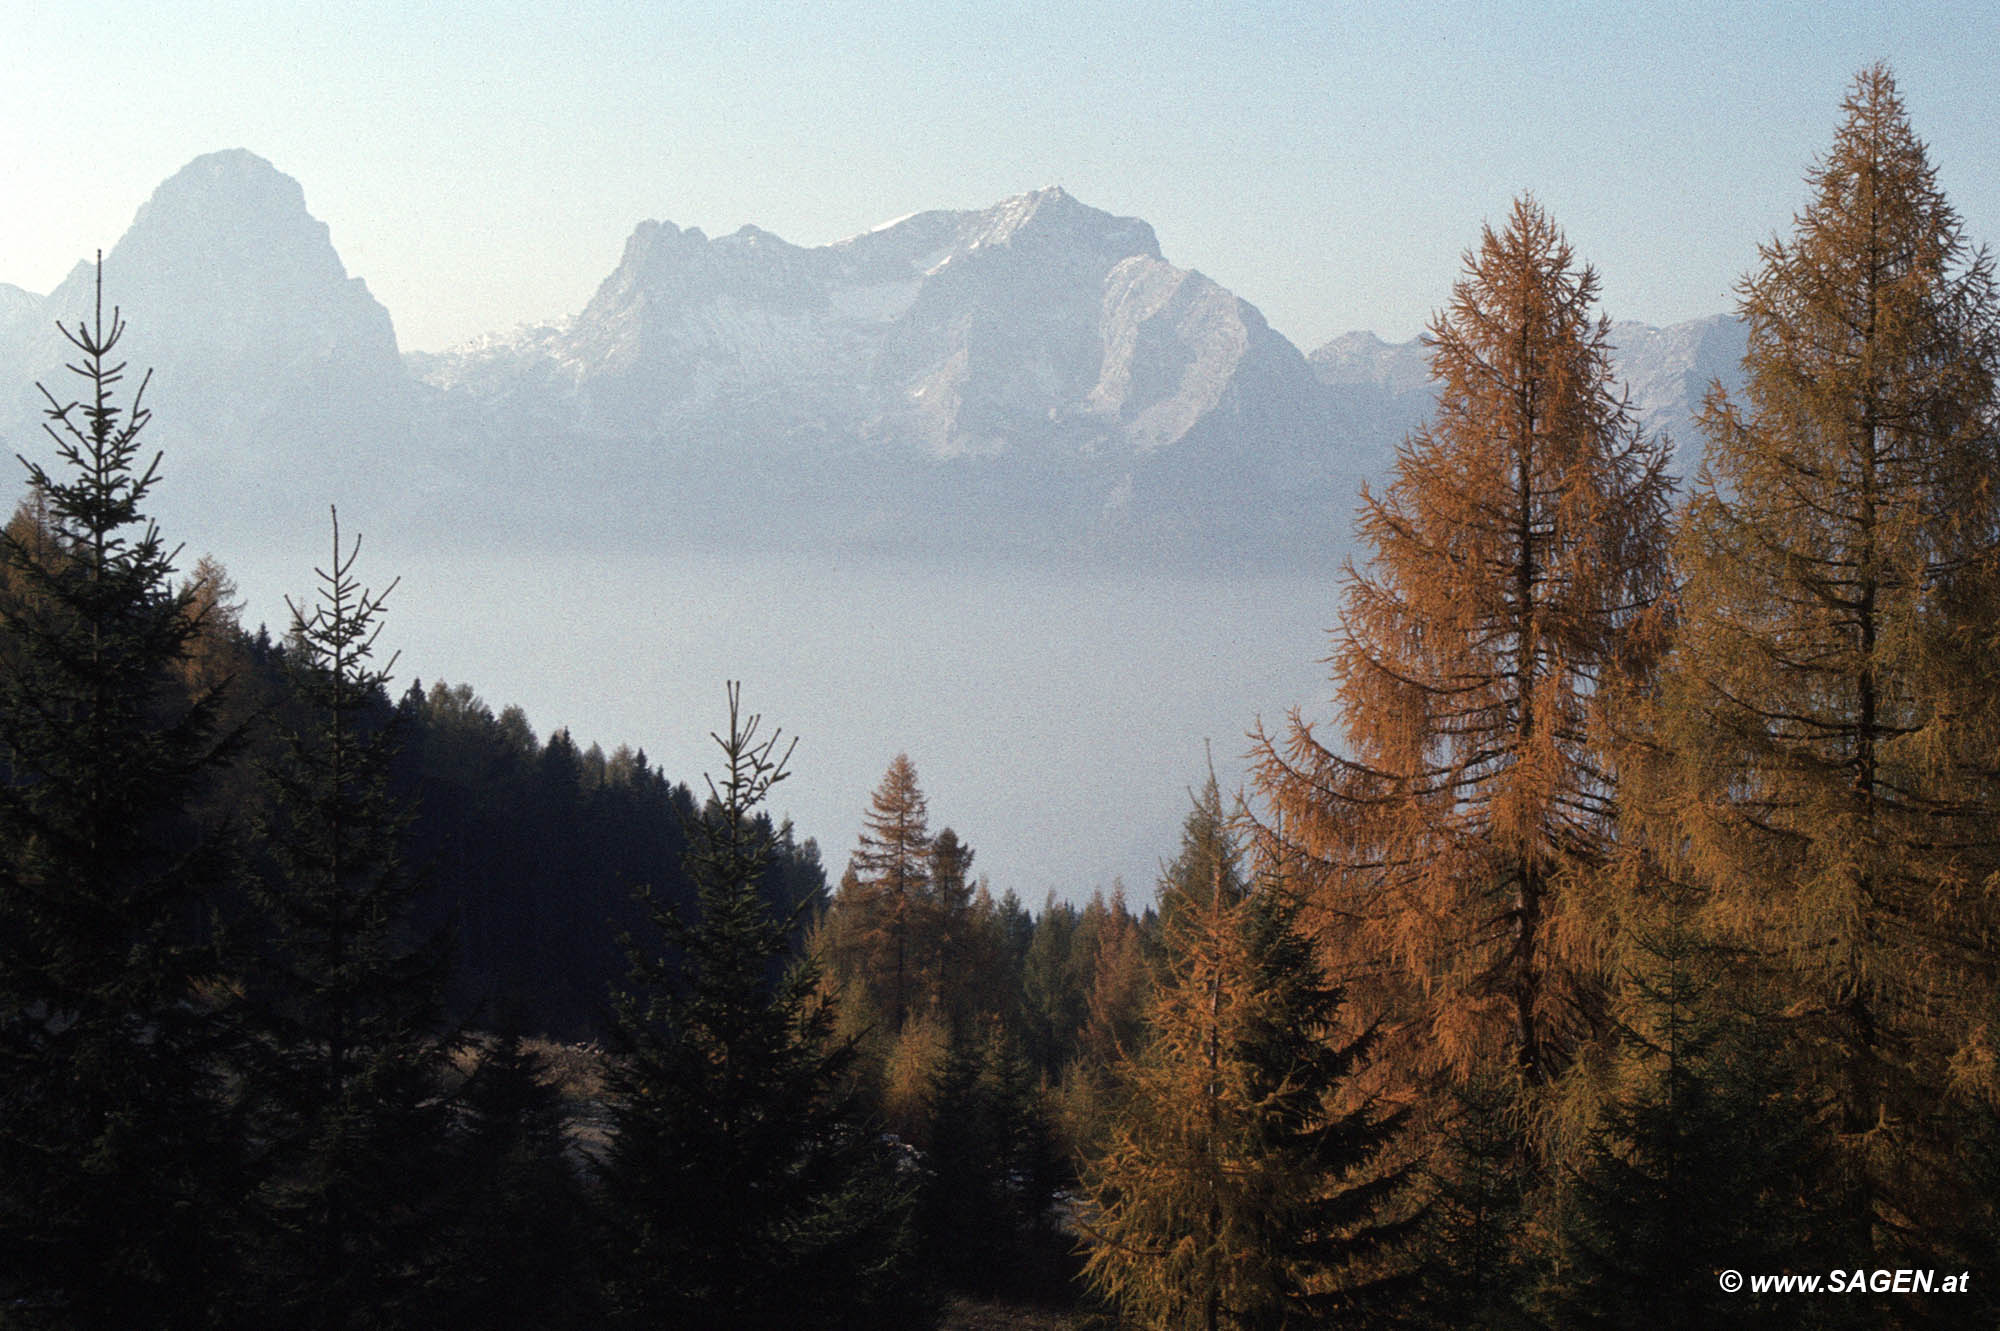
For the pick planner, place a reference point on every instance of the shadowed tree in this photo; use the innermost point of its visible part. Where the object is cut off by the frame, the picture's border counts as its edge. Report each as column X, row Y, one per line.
column 116, row 1155
column 1055, row 1005
column 521, row 1253
column 739, row 1188
column 948, row 974
column 344, row 1079
column 1702, row 1161
column 1476, row 1263
column 989, row 1170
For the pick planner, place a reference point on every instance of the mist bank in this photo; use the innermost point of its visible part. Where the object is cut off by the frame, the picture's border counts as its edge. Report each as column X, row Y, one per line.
column 1059, row 717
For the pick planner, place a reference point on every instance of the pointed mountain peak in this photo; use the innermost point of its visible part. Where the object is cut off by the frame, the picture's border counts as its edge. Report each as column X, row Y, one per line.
column 1053, row 212
column 237, row 163
column 1050, row 203
column 751, row 234
column 229, row 218
column 224, row 266
column 1362, row 358
column 653, row 236
column 1050, row 196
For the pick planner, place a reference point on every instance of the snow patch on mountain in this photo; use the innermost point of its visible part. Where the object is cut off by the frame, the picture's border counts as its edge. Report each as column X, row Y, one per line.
column 1031, row 325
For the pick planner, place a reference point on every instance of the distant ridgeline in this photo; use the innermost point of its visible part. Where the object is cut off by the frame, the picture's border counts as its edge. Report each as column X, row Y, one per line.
column 1032, row 380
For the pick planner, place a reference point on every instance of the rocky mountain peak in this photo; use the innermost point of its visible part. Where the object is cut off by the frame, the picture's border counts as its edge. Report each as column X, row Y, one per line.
column 1387, row 389
column 1051, row 217
column 1362, row 358
column 228, row 218
column 1037, row 361
column 233, row 294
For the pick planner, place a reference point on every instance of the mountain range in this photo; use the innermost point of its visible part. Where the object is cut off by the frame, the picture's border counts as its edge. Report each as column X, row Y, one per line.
column 1033, row 378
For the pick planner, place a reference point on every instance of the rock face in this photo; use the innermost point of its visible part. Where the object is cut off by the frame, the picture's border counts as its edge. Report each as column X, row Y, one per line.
column 1038, row 324
column 17, row 307
column 1669, row 370
column 1033, row 377
column 225, row 276
column 273, row 371
column 1383, row 389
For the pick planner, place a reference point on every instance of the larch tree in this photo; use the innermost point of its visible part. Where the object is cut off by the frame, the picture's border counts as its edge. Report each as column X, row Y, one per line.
column 117, row 1188
column 1829, row 720
column 1241, row 1185
column 1520, row 541
column 881, row 914
column 1120, row 975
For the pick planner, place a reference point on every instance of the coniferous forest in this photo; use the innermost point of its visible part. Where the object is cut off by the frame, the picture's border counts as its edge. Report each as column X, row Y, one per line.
column 1634, row 930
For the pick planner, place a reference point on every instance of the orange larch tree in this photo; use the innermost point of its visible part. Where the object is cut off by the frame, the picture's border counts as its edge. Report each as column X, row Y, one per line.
column 1242, row 1184
column 1516, row 550
column 1829, row 720
column 880, row 914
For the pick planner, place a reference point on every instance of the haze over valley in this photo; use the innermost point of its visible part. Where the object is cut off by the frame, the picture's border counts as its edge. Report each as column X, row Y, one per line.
column 1004, row 488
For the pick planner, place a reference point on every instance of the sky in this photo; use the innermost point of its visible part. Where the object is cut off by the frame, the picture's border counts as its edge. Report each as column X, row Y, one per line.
column 481, row 164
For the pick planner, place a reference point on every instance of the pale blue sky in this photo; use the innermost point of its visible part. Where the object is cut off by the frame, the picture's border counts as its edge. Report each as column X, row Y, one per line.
column 481, row 164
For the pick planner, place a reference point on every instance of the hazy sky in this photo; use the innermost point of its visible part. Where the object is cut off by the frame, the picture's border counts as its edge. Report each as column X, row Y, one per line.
column 481, row 164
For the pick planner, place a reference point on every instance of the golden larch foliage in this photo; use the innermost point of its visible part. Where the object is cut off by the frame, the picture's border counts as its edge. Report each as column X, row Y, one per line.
column 1824, row 740
column 1514, row 553
column 1236, row 1187
column 879, row 927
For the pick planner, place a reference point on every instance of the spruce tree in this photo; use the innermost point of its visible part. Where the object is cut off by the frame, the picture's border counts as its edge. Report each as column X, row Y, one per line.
column 949, row 964
column 1241, row 1186
column 1703, row 1160
column 1055, row 1004
column 345, row 1075
column 739, row 1188
column 1476, row 1264
column 520, row 1251
column 116, row 1149
column 1024, row 1160
column 1522, row 536
column 1829, row 720
column 960, row 1203
column 989, row 1170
